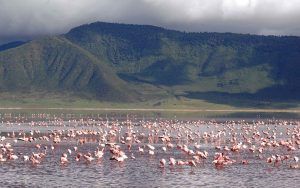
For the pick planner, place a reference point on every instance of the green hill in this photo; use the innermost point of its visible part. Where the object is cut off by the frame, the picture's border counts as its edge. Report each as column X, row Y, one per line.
column 121, row 62
column 54, row 64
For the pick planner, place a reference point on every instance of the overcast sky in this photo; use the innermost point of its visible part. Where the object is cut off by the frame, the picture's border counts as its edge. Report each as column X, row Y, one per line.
column 24, row 19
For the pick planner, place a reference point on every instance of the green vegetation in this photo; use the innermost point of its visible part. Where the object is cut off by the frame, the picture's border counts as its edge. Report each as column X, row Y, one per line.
column 119, row 65
column 69, row 101
column 55, row 64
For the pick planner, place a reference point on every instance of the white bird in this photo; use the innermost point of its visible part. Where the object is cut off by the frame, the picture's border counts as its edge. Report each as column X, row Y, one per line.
column 26, row 158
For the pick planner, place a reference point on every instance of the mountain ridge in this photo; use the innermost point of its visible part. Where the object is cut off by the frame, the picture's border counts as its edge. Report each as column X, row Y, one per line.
column 137, row 62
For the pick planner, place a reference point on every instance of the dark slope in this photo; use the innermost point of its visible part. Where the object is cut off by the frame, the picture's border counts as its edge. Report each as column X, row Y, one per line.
column 230, row 63
column 11, row 45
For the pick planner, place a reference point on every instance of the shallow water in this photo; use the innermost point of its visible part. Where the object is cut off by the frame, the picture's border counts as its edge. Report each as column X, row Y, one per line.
column 144, row 170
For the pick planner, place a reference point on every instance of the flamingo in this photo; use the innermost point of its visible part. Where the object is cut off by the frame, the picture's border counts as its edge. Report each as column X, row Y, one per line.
column 64, row 159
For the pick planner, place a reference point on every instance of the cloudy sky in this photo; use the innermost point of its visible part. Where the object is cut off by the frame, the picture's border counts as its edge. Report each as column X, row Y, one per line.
column 25, row 19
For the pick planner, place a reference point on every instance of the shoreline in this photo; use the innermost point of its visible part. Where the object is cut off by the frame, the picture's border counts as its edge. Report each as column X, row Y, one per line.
column 155, row 109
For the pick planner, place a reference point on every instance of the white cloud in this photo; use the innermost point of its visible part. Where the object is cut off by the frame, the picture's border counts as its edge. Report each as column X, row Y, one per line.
column 29, row 18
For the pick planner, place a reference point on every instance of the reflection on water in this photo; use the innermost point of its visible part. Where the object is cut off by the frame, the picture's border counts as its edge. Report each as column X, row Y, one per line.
column 89, row 133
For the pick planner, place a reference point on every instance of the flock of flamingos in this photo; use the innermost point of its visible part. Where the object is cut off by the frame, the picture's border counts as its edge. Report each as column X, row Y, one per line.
column 171, row 142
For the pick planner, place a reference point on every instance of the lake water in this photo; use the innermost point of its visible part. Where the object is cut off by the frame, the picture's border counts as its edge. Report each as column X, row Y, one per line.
column 144, row 170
